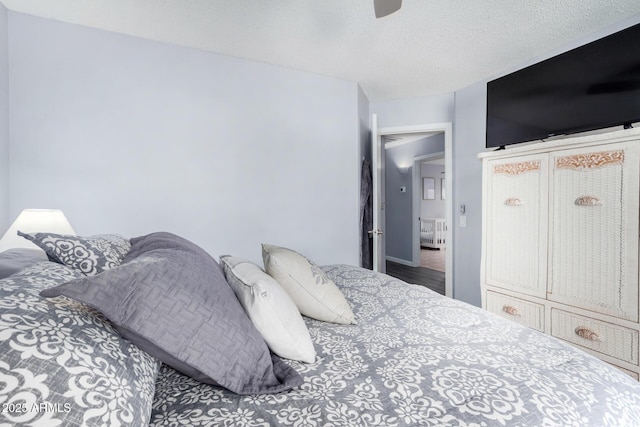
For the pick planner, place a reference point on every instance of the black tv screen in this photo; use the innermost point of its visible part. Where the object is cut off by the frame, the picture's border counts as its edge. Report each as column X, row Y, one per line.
column 591, row 87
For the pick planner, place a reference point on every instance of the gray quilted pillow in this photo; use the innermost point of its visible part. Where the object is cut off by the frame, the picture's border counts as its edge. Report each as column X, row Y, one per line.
column 171, row 298
column 90, row 255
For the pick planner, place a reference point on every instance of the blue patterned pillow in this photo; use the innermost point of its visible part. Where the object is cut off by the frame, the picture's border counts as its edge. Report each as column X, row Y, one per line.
column 63, row 363
column 89, row 255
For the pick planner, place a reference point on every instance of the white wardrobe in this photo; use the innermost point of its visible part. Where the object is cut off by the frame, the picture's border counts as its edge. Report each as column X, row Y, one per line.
column 560, row 241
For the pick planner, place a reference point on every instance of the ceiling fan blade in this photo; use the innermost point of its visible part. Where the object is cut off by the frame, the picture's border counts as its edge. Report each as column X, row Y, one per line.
column 386, row 7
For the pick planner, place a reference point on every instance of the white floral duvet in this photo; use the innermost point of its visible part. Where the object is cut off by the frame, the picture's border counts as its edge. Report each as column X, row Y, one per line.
column 417, row 358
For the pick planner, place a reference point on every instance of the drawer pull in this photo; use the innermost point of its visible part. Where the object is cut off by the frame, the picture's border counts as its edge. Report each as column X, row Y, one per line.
column 513, row 201
column 509, row 309
column 588, row 201
column 586, row 333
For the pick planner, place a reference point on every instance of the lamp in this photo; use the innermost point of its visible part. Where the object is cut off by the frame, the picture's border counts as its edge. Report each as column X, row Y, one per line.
column 31, row 221
column 404, row 169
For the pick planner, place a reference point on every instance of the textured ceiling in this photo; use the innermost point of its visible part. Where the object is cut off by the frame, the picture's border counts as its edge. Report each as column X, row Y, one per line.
column 429, row 47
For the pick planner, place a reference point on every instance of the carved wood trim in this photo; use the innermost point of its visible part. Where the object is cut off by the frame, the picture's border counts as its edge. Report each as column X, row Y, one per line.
column 517, row 168
column 589, row 161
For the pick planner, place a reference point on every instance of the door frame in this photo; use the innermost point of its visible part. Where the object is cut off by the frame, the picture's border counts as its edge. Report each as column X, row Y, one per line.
column 378, row 169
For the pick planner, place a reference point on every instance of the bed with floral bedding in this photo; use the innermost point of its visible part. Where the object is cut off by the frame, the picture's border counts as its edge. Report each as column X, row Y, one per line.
column 396, row 355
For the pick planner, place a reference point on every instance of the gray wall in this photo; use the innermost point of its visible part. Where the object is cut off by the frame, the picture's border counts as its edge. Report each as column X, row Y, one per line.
column 399, row 212
column 468, row 134
column 5, row 220
column 414, row 111
column 132, row 136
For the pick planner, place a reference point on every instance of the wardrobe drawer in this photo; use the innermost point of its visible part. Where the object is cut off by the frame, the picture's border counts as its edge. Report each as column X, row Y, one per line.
column 603, row 337
column 525, row 312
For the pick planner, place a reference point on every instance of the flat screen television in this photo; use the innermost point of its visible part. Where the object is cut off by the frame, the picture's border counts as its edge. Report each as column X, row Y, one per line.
column 594, row 86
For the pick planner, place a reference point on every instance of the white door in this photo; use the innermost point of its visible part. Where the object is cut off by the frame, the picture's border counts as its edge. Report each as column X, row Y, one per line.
column 516, row 205
column 377, row 233
column 594, row 228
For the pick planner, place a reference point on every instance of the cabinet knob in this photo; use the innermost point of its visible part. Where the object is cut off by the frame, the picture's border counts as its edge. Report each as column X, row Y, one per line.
column 586, row 333
column 588, row 201
column 513, row 201
column 511, row 310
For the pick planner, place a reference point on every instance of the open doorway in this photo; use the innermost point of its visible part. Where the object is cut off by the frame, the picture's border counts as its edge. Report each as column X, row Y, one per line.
column 401, row 250
column 414, row 193
column 430, row 211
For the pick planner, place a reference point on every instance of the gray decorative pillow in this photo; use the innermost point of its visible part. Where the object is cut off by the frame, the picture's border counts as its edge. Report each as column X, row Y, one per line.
column 90, row 255
column 63, row 363
column 171, row 299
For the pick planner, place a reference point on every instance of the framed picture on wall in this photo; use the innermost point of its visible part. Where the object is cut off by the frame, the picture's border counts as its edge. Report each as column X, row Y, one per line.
column 442, row 188
column 429, row 188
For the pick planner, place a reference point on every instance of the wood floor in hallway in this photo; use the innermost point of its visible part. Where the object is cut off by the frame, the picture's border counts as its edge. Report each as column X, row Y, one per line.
column 432, row 279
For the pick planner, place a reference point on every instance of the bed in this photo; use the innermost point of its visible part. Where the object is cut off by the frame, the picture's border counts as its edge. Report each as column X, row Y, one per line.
column 432, row 233
column 412, row 357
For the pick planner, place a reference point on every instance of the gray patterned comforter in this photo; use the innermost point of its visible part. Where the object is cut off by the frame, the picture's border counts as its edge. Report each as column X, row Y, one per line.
column 62, row 363
column 417, row 358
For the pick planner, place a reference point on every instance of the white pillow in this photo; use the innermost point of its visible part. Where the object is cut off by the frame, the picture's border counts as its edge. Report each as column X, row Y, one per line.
column 310, row 289
column 270, row 309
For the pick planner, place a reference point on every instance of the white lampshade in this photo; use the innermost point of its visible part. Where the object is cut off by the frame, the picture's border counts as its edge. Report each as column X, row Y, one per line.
column 32, row 221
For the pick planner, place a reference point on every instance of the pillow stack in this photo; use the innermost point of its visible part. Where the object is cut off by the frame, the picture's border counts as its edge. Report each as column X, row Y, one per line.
column 218, row 323
column 270, row 309
column 170, row 298
column 275, row 298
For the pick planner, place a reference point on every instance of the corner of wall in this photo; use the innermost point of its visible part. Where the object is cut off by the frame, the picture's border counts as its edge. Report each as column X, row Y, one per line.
column 364, row 123
column 364, row 152
column 4, row 119
column 469, row 130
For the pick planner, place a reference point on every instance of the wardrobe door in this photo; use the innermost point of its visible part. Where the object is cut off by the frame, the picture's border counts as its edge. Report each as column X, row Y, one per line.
column 594, row 229
column 516, row 224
